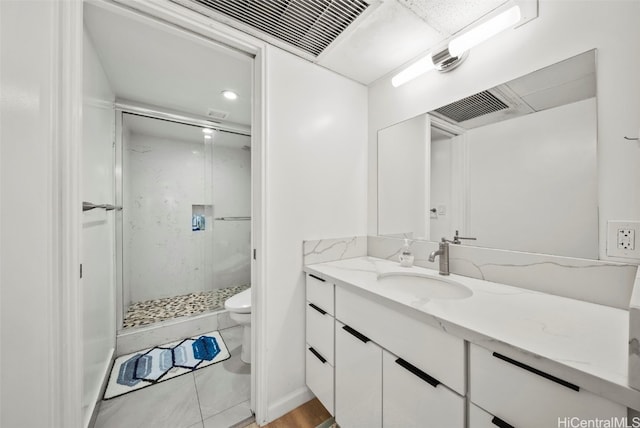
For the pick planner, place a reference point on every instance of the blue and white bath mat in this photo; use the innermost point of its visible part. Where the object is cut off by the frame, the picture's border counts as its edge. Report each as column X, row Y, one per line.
column 150, row 366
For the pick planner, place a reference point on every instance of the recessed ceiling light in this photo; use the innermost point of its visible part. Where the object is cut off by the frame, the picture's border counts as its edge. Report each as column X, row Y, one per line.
column 207, row 131
column 230, row 95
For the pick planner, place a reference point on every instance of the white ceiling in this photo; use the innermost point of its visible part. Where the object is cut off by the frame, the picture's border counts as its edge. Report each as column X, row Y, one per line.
column 146, row 64
column 179, row 132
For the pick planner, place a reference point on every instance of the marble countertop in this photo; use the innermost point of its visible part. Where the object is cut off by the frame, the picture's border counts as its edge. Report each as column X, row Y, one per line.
column 581, row 342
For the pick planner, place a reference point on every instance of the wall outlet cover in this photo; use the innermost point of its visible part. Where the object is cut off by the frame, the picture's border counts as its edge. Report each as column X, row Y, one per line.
column 621, row 239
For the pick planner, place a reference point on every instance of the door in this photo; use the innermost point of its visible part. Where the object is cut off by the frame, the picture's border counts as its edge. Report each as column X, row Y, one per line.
column 404, row 152
column 97, row 256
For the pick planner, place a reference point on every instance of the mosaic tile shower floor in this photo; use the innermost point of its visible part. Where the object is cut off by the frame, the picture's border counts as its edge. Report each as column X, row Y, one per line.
column 153, row 311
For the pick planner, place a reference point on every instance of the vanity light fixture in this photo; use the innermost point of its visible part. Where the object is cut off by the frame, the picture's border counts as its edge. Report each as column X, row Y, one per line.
column 207, row 137
column 507, row 19
column 230, row 95
column 414, row 70
column 458, row 47
column 207, row 131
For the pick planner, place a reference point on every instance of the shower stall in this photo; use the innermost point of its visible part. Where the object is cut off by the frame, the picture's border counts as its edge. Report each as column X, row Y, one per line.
column 184, row 233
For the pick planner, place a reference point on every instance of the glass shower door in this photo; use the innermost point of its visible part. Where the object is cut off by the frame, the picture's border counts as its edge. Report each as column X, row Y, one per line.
column 186, row 230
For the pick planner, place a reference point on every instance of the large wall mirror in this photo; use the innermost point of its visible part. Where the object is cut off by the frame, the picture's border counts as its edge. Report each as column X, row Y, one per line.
column 514, row 166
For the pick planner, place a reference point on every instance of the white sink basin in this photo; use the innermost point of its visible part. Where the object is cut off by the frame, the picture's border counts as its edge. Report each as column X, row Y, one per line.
column 423, row 286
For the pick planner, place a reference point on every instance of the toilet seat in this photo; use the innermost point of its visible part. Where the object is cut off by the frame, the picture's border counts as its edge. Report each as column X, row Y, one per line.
column 240, row 303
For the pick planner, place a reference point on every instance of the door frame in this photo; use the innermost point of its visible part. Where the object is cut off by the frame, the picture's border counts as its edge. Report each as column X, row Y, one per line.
column 67, row 309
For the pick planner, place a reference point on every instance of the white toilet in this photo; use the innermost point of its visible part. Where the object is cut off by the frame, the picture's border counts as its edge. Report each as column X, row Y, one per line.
column 239, row 307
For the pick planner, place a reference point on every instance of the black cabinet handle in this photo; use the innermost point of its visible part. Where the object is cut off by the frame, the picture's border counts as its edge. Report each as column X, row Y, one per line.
column 500, row 423
column 317, row 277
column 323, row 312
column 538, row 372
column 318, row 356
column 416, row 371
column 355, row 333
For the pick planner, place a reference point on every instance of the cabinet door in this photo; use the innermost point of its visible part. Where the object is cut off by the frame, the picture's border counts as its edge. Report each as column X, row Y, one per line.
column 358, row 369
column 412, row 398
column 527, row 397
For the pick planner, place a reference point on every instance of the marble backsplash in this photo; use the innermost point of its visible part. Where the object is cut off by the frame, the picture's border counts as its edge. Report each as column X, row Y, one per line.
column 328, row 250
column 602, row 282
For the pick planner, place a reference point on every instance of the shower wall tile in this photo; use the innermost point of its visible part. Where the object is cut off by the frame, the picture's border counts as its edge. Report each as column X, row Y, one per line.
column 328, row 250
column 602, row 282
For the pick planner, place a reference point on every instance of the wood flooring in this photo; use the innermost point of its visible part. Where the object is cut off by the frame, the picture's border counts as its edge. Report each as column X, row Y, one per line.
column 309, row 415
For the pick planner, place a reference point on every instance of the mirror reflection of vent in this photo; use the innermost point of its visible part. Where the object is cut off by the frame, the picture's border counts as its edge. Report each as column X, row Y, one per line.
column 474, row 106
column 307, row 25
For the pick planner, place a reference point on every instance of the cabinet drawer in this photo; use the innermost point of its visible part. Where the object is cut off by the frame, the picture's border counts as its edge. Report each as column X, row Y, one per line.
column 478, row 418
column 431, row 350
column 320, row 292
column 319, row 376
column 412, row 399
column 358, row 380
column 320, row 331
column 525, row 397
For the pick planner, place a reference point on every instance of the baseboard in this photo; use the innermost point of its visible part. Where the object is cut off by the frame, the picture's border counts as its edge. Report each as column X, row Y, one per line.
column 103, row 387
column 288, row 403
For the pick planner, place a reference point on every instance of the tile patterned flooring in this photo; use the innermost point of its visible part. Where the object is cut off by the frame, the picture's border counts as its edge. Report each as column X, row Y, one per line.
column 213, row 397
column 152, row 311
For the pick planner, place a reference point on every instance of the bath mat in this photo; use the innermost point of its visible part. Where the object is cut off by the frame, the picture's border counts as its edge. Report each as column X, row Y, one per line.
column 141, row 369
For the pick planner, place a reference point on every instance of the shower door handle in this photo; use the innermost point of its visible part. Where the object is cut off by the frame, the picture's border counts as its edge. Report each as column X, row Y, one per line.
column 88, row 206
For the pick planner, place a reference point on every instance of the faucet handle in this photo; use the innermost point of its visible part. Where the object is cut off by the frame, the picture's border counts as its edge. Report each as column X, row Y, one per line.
column 457, row 238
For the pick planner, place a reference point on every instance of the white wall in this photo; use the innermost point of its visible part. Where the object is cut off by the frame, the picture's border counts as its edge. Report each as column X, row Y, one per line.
column 27, row 213
column 315, row 188
column 163, row 180
column 533, row 182
column 98, row 227
column 563, row 29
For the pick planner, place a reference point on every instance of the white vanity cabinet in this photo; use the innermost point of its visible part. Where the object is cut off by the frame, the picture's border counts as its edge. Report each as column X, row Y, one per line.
column 320, row 340
column 358, row 379
column 522, row 396
column 413, row 399
column 392, row 370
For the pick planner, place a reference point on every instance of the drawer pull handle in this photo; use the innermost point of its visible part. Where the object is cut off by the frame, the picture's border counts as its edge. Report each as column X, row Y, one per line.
column 357, row 334
column 323, row 312
column 416, row 371
column 318, row 356
column 317, row 277
column 538, row 372
column 500, row 423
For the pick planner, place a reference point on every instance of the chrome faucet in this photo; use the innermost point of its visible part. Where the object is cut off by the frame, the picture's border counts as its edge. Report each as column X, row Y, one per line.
column 443, row 252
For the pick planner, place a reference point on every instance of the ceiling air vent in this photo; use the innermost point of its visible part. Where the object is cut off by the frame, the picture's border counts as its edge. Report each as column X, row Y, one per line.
column 474, row 106
column 310, row 25
column 217, row 114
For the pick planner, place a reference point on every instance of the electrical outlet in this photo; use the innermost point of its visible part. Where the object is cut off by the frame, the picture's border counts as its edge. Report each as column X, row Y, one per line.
column 621, row 239
column 626, row 239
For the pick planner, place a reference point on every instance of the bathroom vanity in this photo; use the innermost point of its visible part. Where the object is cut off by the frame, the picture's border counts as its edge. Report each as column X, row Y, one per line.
column 388, row 346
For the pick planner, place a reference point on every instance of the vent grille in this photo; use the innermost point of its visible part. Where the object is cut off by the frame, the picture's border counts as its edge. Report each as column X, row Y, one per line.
column 474, row 106
column 310, row 25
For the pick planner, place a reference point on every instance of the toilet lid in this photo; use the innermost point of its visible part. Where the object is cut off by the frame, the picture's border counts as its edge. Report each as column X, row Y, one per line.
column 240, row 303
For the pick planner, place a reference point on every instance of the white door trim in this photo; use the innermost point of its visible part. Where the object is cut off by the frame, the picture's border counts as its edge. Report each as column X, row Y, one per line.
column 66, row 323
